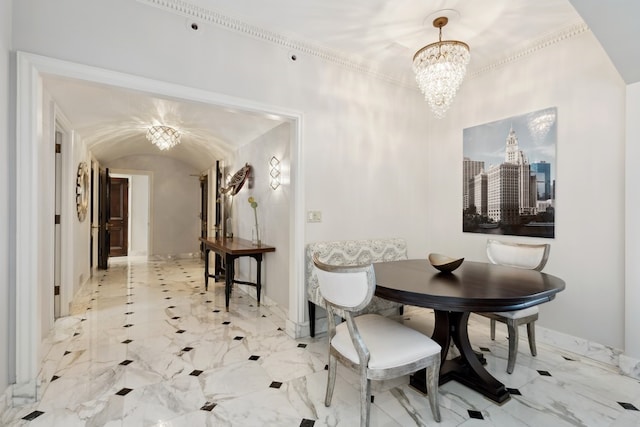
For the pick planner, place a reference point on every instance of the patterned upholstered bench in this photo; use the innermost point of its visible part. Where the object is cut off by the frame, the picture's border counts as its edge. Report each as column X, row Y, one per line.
column 351, row 252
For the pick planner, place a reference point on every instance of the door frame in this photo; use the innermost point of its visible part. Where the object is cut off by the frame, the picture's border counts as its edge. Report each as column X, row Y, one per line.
column 131, row 174
column 32, row 247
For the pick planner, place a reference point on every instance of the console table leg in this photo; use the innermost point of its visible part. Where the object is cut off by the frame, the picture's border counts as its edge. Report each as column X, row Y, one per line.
column 206, row 269
column 228, row 280
column 258, row 276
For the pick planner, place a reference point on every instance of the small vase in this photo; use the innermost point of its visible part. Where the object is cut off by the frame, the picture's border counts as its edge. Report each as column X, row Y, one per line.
column 256, row 236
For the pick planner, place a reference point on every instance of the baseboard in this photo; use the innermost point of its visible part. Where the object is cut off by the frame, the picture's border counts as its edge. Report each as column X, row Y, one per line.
column 580, row 346
column 630, row 366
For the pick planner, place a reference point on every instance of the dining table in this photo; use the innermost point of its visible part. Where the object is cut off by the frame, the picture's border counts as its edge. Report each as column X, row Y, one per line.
column 453, row 296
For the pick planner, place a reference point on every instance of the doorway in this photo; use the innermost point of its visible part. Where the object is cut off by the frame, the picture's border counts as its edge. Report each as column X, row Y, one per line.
column 119, row 217
column 32, row 244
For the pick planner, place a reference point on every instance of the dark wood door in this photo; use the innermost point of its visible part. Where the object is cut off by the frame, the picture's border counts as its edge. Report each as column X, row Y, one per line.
column 103, row 218
column 118, row 216
column 204, row 210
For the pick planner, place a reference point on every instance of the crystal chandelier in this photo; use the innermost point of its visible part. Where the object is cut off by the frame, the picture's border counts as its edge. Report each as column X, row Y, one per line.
column 164, row 137
column 440, row 68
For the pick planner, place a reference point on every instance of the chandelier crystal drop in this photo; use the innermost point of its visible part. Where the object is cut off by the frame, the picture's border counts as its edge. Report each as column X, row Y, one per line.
column 440, row 69
column 164, row 137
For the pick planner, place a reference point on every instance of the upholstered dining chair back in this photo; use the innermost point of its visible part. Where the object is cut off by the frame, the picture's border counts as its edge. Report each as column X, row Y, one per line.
column 350, row 292
column 377, row 347
column 519, row 255
column 525, row 256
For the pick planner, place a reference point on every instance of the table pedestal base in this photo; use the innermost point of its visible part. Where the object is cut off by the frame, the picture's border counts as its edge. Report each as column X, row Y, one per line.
column 467, row 368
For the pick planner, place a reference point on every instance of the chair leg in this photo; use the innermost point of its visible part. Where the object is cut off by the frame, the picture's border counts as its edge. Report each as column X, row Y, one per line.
column 331, row 380
column 531, row 332
column 493, row 329
column 433, row 374
column 401, row 310
column 312, row 319
column 512, row 327
column 365, row 398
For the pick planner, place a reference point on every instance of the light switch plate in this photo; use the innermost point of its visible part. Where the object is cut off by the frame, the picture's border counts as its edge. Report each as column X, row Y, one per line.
column 314, row 216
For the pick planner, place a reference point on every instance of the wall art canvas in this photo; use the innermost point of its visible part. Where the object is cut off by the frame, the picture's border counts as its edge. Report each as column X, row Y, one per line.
column 509, row 176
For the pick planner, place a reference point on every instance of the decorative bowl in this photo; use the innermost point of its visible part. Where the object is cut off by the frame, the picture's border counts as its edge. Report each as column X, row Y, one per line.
column 445, row 263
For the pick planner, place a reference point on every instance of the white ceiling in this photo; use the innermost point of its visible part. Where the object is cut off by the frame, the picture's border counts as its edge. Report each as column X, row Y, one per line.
column 383, row 34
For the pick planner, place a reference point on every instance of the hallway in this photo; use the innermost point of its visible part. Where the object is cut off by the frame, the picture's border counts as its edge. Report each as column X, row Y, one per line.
column 147, row 346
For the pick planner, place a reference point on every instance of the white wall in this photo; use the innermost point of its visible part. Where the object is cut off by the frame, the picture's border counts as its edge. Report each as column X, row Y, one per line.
column 7, row 180
column 577, row 77
column 272, row 210
column 175, row 202
column 632, row 231
column 139, row 203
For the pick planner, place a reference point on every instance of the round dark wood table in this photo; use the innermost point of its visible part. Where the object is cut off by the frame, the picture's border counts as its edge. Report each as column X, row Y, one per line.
column 473, row 287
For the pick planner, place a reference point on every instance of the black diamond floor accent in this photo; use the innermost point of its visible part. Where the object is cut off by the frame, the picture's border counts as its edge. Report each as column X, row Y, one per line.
column 326, row 367
column 180, row 331
column 208, row 301
column 485, row 349
column 76, row 334
column 167, row 297
column 544, row 373
column 475, row 414
column 124, row 391
column 66, row 352
column 514, row 391
column 307, row 422
column 279, row 329
column 275, row 384
column 628, row 406
column 127, row 341
column 568, row 358
column 55, row 377
column 195, row 372
column 175, row 317
column 33, row 415
column 208, row 407
column 126, row 362
column 254, row 357
column 226, row 322
column 187, row 349
column 172, row 306
column 128, row 325
column 301, row 345
column 238, row 338
column 166, row 290
column 129, row 302
column 129, row 312
column 216, row 311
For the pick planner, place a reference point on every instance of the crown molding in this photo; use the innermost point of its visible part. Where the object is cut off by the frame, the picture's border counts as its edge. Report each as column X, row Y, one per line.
column 205, row 15
column 533, row 47
column 185, row 8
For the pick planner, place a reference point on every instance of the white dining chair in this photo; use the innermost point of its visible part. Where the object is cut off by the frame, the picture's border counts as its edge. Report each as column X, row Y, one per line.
column 377, row 347
column 518, row 255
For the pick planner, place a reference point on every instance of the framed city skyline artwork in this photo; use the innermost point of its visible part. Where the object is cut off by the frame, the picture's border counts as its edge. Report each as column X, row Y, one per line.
column 509, row 176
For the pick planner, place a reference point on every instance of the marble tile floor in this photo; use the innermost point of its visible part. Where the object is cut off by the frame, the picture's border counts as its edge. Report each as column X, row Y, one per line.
column 147, row 346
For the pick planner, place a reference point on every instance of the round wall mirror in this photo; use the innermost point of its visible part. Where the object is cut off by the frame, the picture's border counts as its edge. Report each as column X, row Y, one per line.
column 82, row 191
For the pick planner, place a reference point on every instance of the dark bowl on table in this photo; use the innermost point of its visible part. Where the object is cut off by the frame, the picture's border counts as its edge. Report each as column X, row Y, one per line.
column 444, row 263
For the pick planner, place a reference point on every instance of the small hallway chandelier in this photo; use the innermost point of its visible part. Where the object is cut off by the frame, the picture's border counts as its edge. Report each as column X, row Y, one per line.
column 164, row 137
column 440, row 69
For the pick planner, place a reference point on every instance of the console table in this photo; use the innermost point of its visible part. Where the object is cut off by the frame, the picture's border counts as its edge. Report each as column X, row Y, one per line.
column 230, row 250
